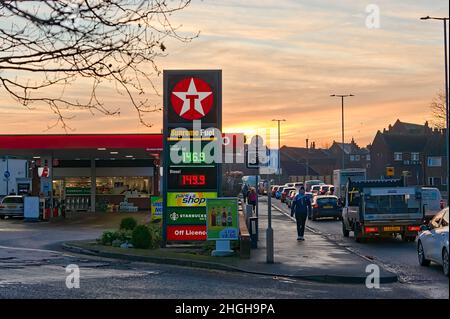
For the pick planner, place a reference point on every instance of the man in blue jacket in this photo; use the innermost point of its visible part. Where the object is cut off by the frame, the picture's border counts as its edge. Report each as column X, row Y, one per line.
column 300, row 206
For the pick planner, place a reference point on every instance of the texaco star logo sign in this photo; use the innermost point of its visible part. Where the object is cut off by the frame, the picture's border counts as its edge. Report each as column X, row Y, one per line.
column 192, row 98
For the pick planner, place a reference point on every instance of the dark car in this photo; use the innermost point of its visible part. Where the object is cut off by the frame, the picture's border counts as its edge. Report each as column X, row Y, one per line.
column 325, row 206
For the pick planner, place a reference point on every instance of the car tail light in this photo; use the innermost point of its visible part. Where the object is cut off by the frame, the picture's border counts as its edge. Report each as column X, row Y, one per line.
column 414, row 228
column 316, row 205
column 371, row 229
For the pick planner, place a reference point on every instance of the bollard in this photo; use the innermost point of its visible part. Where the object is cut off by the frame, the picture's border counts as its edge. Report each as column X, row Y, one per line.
column 253, row 231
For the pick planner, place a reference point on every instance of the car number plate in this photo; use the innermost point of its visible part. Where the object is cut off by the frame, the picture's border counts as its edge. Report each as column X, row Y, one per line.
column 327, row 206
column 392, row 228
column 12, row 207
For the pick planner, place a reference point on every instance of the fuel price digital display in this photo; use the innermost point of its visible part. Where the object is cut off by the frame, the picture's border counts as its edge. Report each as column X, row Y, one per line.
column 193, row 157
column 192, row 177
column 197, row 180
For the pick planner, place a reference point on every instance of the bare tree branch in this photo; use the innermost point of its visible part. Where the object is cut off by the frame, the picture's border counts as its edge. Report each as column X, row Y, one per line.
column 50, row 43
column 438, row 111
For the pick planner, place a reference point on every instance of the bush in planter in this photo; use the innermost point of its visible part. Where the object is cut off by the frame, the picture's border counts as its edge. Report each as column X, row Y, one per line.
column 141, row 237
column 128, row 223
column 155, row 234
column 108, row 237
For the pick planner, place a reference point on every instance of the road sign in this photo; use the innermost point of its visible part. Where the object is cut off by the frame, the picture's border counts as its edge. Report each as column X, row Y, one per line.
column 7, row 174
column 390, row 171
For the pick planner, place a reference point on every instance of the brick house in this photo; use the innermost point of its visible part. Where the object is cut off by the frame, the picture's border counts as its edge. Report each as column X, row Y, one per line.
column 354, row 156
column 414, row 150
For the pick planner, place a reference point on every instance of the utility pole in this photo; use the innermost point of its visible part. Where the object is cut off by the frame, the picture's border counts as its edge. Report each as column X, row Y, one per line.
column 342, row 128
column 447, row 133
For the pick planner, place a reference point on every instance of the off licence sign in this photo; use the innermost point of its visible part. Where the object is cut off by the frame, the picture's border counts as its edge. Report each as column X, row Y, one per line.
column 186, row 233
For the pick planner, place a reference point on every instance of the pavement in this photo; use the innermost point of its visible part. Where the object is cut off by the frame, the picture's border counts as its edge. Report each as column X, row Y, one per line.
column 317, row 258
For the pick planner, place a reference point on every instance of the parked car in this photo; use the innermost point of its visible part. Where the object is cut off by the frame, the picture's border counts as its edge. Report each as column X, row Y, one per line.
column 432, row 202
column 285, row 193
column 432, row 242
column 290, row 197
column 325, row 206
column 278, row 192
column 310, row 183
column 316, row 189
column 324, row 189
column 11, row 206
column 274, row 190
column 298, row 185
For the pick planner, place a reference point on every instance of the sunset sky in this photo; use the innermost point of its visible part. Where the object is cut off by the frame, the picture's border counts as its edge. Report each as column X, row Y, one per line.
column 282, row 59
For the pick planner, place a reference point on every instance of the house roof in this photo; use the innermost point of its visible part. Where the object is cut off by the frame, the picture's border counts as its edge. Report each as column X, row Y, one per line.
column 296, row 169
column 409, row 128
column 350, row 148
column 405, row 143
column 296, row 153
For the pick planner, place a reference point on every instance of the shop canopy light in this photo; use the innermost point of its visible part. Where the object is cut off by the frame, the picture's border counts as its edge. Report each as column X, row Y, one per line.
column 129, row 156
column 113, row 153
column 101, row 149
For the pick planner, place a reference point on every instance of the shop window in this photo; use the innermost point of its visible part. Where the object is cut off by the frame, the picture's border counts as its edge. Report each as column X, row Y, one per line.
column 398, row 156
column 414, row 156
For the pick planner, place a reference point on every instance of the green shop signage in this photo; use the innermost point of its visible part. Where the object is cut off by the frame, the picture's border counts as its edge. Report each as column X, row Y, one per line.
column 78, row 191
column 186, row 215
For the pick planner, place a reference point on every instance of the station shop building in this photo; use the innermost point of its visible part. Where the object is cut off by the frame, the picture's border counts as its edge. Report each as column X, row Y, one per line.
column 86, row 172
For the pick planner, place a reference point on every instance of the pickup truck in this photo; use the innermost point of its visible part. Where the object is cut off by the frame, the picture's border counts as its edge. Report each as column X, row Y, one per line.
column 382, row 208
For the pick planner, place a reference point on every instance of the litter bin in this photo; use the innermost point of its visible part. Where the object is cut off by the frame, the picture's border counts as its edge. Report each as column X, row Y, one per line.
column 253, row 230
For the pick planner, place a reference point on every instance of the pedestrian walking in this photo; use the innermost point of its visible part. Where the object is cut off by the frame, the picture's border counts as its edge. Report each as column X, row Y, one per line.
column 300, row 207
column 252, row 197
column 245, row 191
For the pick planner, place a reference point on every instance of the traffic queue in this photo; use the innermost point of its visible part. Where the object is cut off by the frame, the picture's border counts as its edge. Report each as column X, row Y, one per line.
column 380, row 209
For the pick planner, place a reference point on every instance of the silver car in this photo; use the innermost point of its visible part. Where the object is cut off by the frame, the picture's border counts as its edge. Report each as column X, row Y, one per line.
column 11, row 206
column 432, row 242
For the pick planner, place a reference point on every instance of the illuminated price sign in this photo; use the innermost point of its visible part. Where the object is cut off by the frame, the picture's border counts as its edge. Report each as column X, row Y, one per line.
column 192, row 178
column 182, row 153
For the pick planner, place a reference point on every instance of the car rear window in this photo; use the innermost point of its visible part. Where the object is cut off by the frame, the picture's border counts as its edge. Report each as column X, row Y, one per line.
column 327, row 201
column 13, row 200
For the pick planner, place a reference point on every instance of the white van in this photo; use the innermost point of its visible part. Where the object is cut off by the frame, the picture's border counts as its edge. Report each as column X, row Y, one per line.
column 432, row 200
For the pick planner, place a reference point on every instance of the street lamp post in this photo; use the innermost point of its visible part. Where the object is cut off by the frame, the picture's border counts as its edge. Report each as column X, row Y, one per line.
column 342, row 105
column 446, row 100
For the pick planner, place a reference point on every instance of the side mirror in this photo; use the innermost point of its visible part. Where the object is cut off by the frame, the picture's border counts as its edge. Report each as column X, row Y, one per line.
column 424, row 228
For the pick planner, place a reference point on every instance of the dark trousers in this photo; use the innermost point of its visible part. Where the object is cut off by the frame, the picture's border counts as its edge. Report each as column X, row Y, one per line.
column 301, row 221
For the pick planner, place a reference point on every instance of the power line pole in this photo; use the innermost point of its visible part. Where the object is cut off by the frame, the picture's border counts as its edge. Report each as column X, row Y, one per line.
column 342, row 128
column 447, row 133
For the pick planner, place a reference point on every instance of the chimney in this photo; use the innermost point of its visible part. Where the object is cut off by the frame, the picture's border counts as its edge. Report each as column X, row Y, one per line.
column 313, row 145
column 307, row 144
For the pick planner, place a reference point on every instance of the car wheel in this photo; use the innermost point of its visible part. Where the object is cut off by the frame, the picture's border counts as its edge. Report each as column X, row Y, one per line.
column 2, row 217
column 421, row 255
column 314, row 217
column 445, row 261
column 345, row 231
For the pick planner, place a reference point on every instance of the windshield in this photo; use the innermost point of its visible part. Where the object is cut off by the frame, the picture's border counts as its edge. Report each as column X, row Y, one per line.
column 393, row 204
column 13, row 200
column 327, row 201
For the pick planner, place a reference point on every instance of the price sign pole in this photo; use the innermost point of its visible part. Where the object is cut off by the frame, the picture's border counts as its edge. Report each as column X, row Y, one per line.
column 191, row 172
